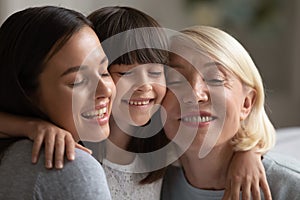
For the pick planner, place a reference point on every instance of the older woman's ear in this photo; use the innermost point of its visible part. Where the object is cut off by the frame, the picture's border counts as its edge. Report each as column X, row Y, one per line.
column 249, row 101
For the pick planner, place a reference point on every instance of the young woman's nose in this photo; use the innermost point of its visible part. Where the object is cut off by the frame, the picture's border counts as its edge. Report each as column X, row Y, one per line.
column 104, row 89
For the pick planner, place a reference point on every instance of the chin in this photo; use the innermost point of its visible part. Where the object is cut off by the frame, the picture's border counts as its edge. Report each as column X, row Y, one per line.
column 96, row 136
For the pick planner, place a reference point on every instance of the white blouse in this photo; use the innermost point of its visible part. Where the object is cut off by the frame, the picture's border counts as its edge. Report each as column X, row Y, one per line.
column 124, row 185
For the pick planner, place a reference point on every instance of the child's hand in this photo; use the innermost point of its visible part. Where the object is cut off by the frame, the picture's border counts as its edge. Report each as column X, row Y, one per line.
column 246, row 174
column 56, row 140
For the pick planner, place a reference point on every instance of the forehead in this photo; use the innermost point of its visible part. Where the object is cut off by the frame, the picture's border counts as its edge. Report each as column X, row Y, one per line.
column 193, row 61
column 82, row 48
column 197, row 64
column 125, row 67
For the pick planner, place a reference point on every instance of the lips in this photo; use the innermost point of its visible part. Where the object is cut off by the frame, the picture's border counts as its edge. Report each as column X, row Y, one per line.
column 98, row 113
column 138, row 102
column 198, row 119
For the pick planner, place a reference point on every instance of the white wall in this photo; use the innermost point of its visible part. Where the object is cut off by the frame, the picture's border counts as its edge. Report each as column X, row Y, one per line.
column 7, row 7
column 167, row 12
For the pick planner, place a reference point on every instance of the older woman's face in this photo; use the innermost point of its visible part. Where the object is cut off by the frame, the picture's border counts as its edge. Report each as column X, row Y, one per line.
column 75, row 89
column 203, row 100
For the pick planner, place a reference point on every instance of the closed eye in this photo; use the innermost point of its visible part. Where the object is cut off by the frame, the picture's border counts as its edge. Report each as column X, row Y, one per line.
column 124, row 73
column 105, row 74
column 78, row 82
column 215, row 82
column 155, row 73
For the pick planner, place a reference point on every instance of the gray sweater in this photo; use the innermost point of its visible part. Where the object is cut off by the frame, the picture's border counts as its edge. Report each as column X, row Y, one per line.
column 82, row 178
column 283, row 175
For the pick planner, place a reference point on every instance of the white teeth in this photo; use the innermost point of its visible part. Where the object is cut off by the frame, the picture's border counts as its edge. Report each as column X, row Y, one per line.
column 139, row 103
column 197, row 119
column 95, row 113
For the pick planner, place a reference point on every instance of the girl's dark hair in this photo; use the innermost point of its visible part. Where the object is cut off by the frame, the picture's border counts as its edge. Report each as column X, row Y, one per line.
column 113, row 21
column 29, row 38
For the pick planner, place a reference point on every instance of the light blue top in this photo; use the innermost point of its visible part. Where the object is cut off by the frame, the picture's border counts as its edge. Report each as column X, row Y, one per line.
column 283, row 174
column 80, row 179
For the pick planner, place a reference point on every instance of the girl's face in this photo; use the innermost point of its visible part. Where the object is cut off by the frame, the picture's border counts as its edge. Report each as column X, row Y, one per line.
column 76, row 90
column 204, row 102
column 140, row 90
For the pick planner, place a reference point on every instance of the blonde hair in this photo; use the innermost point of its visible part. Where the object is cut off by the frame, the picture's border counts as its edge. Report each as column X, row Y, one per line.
column 256, row 131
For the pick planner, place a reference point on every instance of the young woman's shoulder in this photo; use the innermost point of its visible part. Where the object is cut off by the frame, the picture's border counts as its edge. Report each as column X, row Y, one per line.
column 283, row 174
column 283, row 164
column 82, row 178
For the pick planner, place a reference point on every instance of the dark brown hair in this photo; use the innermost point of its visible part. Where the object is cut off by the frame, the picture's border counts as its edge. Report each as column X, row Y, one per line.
column 28, row 39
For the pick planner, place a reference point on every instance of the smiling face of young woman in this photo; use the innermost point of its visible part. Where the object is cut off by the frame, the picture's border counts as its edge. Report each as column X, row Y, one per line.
column 203, row 98
column 140, row 90
column 66, row 93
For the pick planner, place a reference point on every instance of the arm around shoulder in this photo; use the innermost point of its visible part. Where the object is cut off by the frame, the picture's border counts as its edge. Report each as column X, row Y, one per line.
column 82, row 178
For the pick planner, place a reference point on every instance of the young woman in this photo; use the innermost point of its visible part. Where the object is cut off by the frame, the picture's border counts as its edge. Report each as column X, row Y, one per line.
column 140, row 81
column 227, row 99
column 42, row 51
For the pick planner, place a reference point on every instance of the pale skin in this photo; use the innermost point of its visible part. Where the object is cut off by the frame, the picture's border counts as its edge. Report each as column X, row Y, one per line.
column 60, row 141
column 56, row 90
column 140, row 88
column 220, row 85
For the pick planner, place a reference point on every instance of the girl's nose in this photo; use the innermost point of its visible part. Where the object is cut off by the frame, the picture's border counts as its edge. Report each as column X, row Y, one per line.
column 143, row 83
column 146, row 87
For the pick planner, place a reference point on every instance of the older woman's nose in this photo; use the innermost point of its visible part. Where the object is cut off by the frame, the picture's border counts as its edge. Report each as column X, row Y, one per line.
column 198, row 93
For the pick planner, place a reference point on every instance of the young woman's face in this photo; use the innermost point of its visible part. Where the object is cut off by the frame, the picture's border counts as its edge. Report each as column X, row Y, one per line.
column 75, row 88
column 140, row 90
column 204, row 101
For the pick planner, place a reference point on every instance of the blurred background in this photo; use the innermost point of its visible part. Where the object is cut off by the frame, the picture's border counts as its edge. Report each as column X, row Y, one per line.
column 269, row 29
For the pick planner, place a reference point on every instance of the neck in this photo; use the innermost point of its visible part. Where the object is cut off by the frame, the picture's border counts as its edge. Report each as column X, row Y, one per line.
column 209, row 172
column 117, row 143
column 120, row 136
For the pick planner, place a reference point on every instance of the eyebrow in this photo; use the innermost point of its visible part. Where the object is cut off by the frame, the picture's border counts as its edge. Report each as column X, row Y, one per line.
column 73, row 69
column 82, row 67
column 219, row 66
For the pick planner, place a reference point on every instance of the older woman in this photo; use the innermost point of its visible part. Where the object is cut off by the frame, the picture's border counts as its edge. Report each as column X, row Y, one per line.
column 215, row 102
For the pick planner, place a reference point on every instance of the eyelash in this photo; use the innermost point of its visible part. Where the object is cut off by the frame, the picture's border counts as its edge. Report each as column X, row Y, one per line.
column 155, row 73
column 215, row 82
column 211, row 82
column 77, row 83
column 105, row 74
column 124, row 73
column 84, row 80
column 129, row 73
